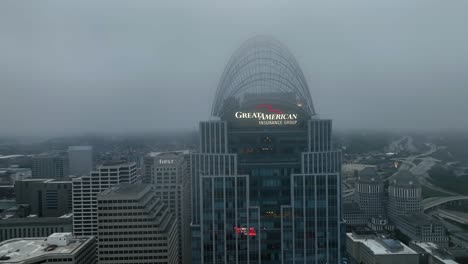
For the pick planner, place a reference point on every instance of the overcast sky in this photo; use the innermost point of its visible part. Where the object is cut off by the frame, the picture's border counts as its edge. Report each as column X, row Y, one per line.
column 70, row 67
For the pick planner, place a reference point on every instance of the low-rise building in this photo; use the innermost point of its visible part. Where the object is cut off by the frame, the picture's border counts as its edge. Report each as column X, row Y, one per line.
column 47, row 197
column 60, row 248
column 422, row 228
column 368, row 249
column 34, row 226
column 430, row 253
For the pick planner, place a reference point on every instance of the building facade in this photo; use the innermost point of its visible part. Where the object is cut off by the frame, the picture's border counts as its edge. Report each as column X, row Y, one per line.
column 404, row 195
column 135, row 226
column 50, row 166
column 60, row 248
column 85, row 189
column 169, row 173
column 46, row 197
column 34, row 227
column 423, row 228
column 80, row 159
column 369, row 193
column 266, row 182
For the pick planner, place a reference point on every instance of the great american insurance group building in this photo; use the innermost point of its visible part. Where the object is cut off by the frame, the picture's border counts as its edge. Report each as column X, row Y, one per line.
column 266, row 180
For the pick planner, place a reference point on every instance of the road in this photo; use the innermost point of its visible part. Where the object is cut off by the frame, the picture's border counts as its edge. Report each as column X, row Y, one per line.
column 421, row 169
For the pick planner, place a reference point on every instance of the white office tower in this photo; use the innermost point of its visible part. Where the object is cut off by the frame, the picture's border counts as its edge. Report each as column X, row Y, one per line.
column 135, row 226
column 85, row 189
column 168, row 172
column 80, row 159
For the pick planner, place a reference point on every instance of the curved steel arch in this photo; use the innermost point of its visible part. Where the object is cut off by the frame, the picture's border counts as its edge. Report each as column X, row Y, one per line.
column 268, row 59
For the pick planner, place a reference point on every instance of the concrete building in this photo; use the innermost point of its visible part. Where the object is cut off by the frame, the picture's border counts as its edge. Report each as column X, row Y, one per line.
column 11, row 228
column 353, row 215
column 404, row 195
column 80, row 160
column 135, row 226
column 422, row 228
column 169, row 173
column 50, row 166
column 46, row 197
column 369, row 193
column 367, row 249
column 430, row 253
column 85, row 189
column 60, row 248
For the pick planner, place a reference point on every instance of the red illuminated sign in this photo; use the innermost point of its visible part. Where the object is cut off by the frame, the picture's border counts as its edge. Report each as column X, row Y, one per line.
column 270, row 108
column 244, row 231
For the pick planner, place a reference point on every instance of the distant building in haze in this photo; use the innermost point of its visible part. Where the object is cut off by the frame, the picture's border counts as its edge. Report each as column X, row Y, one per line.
column 369, row 193
column 85, row 189
column 405, row 210
column 80, row 160
column 47, row 197
column 50, row 166
column 134, row 226
column 404, row 195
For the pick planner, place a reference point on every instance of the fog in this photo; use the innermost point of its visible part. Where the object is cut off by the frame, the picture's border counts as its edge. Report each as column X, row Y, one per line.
column 70, row 67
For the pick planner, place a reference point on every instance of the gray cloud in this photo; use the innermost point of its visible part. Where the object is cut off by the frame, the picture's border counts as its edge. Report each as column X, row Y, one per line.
column 126, row 66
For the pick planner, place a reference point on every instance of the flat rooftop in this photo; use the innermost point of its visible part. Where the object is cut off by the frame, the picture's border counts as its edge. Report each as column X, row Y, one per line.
column 124, row 190
column 378, row 248
column 156, row 154
column 433, row 249
column 116, row 164
column 21, row 249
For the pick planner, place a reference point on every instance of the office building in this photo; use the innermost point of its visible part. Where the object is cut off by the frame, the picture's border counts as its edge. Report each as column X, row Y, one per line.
column 80, row 159
column 50, row 166
column 422, row 228
column 369, row 249
column 266, row 182
column 85, row 189
column 169, row 173
column 60, row 248
column 369, row 193
column 353, row 215
column 430, row 253
column 404, row 195
column 19, row 227
column 46, row 197
column 135, row 226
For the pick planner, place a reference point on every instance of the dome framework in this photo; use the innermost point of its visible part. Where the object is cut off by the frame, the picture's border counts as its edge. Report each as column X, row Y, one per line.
column 262, row 65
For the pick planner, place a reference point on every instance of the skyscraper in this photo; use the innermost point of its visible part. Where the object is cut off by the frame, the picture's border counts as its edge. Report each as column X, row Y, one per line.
column 80, row 160
column 85, row 189
column 50, row 166
column 168, row 172
column 135, row 226
column 266, row 182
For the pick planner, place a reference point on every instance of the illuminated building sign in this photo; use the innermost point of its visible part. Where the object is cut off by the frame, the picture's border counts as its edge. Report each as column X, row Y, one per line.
column 163, row 161
column 271, row 117
column 245, row 231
